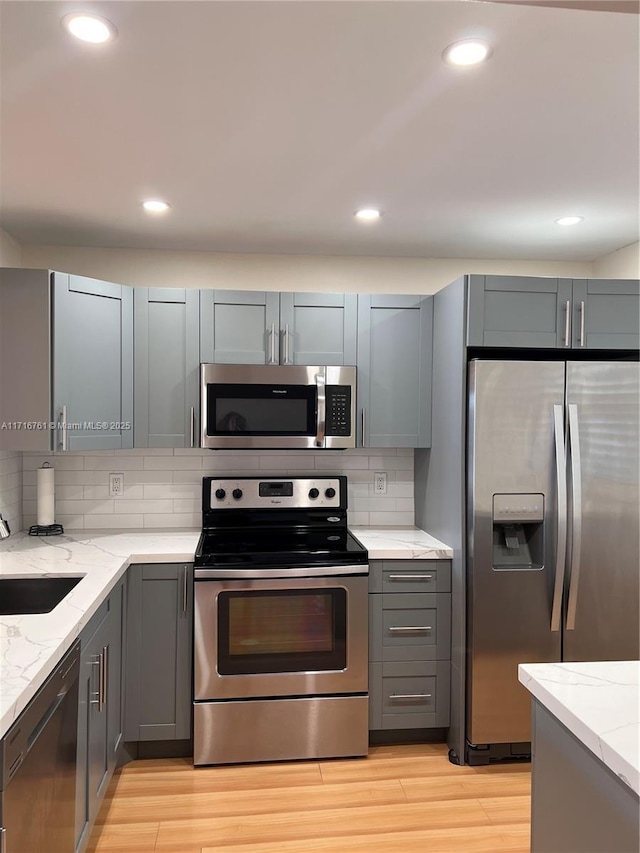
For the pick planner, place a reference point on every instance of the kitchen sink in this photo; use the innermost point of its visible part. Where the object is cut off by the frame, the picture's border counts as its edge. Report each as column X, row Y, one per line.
column 33, row 595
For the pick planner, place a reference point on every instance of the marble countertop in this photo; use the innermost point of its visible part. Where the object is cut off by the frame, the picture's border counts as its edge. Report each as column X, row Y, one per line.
column 31, row 645
column 599, row 703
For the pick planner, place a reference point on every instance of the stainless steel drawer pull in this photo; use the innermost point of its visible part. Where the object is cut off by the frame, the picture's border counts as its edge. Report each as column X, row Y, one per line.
column 393, row 696
column 567, row 315
column 105, row 674
column 581, row 341
column 402, row 628
column 410, row 577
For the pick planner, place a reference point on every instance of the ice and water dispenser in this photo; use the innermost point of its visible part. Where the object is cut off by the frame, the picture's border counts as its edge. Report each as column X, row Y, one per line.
column 518, row 532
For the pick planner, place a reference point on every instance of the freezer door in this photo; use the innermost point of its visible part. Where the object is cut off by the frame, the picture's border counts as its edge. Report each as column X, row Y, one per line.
column 511, row 451
column 603, row 588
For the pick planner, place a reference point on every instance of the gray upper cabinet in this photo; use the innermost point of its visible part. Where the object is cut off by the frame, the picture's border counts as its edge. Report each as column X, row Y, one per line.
column 521, row 312
column 71, row 339
column 606, row 314
column 158, row 654
column 318, row 328
column 256, row 327
column 167, row 357
column 394, row 370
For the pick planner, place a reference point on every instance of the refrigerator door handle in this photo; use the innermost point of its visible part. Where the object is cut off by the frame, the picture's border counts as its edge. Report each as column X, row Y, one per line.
column 561, row 544
column 576, row 521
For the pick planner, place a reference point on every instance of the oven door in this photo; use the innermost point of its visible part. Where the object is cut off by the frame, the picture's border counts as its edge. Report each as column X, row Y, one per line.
column 281, row 637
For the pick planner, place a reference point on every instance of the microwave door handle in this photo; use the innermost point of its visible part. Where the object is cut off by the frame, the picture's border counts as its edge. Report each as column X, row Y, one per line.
column 322, row 409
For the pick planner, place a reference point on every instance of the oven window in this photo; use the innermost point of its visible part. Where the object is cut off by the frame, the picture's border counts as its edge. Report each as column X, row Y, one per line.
column 282, row 631
column 261, row 409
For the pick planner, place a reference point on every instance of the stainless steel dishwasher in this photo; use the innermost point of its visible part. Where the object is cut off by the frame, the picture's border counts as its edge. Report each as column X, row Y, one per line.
column 38, row 784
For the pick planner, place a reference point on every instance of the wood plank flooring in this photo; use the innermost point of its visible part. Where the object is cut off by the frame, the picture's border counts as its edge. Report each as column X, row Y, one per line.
column 398, row 800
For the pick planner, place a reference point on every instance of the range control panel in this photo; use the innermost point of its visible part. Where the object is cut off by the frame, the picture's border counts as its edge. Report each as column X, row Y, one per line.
column 286, row 493
column 518, row 508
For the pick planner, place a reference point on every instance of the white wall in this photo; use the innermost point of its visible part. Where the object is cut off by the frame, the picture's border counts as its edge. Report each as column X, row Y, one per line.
column 163, row 487
column 157, row 268
column 625, row 263
column 11, row 488
column 10, row 251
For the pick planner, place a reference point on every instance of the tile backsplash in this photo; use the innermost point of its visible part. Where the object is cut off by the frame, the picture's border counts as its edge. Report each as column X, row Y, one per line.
column 11, row 488
column 162, row 487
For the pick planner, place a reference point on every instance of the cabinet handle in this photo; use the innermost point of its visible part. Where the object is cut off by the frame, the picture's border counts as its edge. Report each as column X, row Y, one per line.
column 393, row 696
column 398, row 629
column 363, row 424
column 287, row 358
column 3, row 839
column 410, row 577
column 63, row 430
column 185, row 588
column 272, row 344
column 97, row 694
column 105, row 674
column 581, row 341
column 192, row 426
column 567, row 317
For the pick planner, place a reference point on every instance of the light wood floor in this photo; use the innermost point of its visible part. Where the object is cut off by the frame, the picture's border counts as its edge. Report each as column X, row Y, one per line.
column 398, row 800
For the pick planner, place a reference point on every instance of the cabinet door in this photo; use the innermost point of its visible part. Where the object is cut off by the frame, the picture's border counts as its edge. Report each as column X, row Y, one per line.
column 158, row 659
column 518, row 311
column 239, row 327
column 318, row 328
column 93, row 362
column 167, row 338
column 606, row 314
column 394, row 370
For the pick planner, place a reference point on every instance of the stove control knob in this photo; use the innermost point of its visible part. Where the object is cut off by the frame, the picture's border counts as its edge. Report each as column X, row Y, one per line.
column 313, row 493
column 221, row 494
column 237, row 494
column 330, row 493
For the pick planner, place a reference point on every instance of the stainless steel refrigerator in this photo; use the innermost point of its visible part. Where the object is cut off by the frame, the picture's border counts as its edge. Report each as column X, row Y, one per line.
column 553, row 536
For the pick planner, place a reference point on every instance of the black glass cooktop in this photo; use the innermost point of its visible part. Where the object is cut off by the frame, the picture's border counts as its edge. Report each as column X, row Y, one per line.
column 278, row 548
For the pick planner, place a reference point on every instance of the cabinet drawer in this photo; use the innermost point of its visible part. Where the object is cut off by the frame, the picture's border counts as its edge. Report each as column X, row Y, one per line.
column 410, row 576
column 410, row 695
column 409, row 627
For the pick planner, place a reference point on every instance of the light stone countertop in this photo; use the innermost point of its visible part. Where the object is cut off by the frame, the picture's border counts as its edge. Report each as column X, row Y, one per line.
column 599, row 703
column 32, row 645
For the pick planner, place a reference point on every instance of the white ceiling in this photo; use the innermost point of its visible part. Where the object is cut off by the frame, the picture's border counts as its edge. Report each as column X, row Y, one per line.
column 266, row 124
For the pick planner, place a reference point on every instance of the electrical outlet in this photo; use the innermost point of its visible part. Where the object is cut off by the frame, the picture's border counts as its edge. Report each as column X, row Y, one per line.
column 380, row 483
column 116, row 485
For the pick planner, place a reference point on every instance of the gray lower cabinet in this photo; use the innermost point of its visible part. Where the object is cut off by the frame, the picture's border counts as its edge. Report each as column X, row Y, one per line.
column 578, row 805
column 259, row 327
column 394, row 370
column 159, row 652
column 167, row 357
column 72, row 338
column 523, row 311
column 409, row 643
column 100, row 709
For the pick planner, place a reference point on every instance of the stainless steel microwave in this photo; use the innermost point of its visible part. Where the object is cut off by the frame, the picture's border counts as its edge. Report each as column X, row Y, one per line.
column 277, row 406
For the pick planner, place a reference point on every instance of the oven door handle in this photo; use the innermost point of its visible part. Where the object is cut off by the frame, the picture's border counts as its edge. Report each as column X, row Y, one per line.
column 204, row 574
column 322, row 409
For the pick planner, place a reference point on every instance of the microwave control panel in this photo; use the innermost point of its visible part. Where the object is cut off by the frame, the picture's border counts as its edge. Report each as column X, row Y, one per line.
column 338, row 417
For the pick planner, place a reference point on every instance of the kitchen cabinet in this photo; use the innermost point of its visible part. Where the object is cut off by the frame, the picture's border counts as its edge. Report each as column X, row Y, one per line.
column 159, row 625
column 257, row 327
column 409, row 643
column 519, row 311
column 394, row 363
column 167, row 358
column 100, row 713
column 71, row 340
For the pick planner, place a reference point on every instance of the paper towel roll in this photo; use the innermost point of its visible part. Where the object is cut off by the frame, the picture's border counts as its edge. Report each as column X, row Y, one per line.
column 46, row 498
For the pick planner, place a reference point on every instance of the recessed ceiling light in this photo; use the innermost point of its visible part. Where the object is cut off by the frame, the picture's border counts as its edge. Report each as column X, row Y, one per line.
column 367, row 214
column 156, row 206
column 569, row 220
column 466, row 52
column 91, row 28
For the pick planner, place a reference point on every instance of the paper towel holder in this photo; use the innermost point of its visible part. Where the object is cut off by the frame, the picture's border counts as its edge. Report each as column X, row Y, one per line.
column 46, row 529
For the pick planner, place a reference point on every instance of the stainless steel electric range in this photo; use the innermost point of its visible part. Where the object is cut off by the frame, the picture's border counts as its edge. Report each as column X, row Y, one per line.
column 280, row 624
